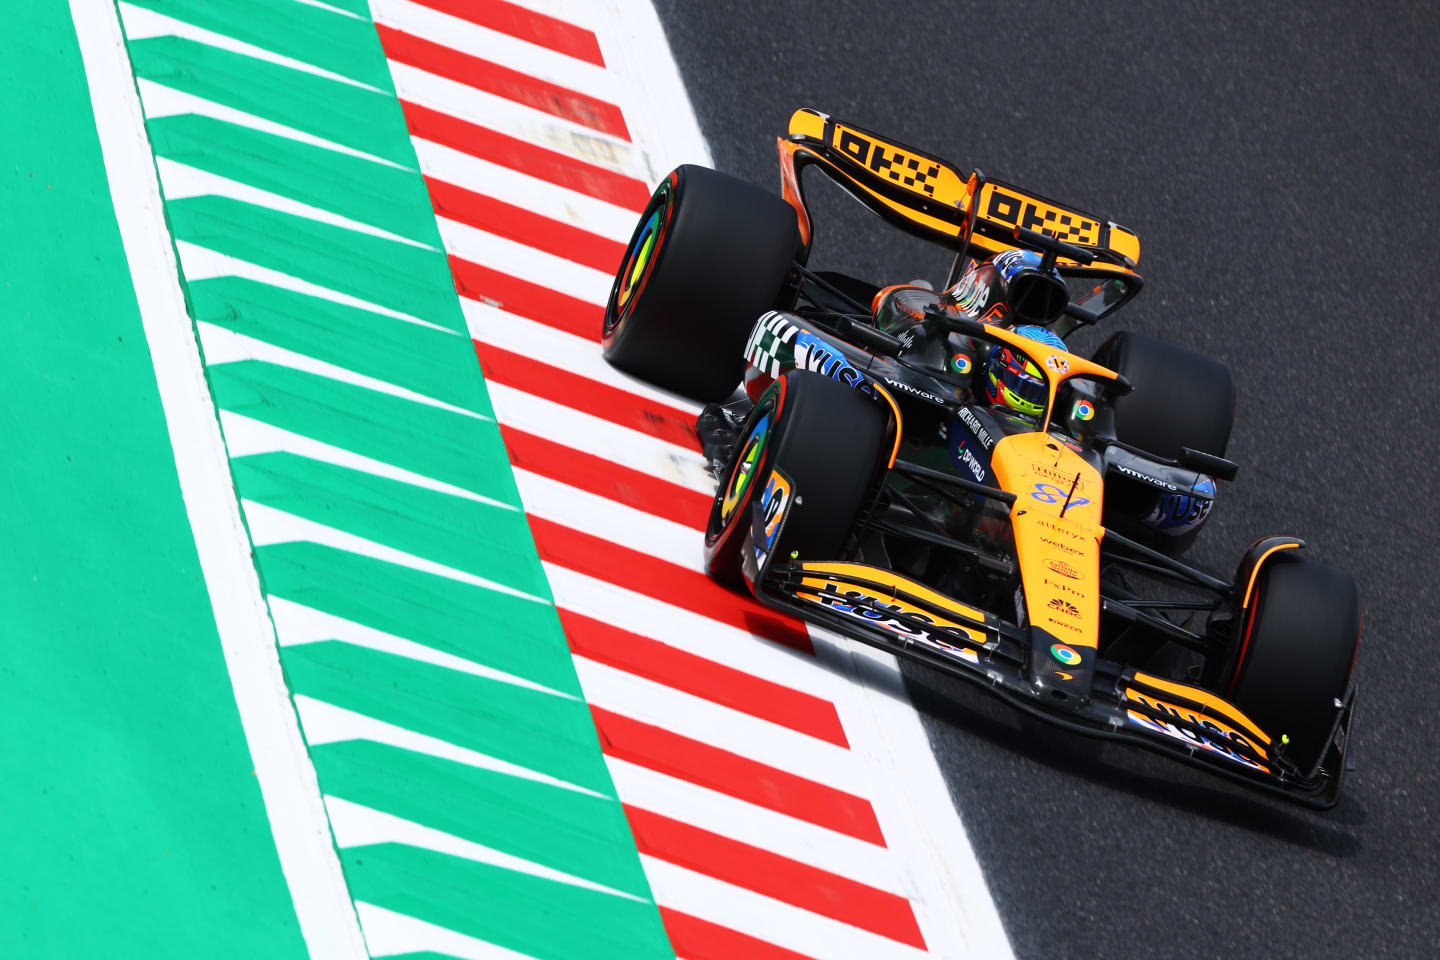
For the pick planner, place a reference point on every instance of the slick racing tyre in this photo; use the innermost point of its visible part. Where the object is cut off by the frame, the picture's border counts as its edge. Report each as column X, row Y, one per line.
column 1294, row 652
column 1181, row 398
column 710, row 254
column 829, row 440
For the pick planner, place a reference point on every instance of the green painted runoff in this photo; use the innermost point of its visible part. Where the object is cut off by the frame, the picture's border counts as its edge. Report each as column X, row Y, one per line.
column 131, row 822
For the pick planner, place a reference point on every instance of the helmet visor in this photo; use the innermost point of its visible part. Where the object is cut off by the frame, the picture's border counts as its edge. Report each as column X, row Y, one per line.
column 1023, row 385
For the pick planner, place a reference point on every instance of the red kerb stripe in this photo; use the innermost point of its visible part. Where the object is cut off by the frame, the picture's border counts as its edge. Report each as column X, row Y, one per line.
column 600, row 476
column 690, row 589
column 581, row 393
column 697, row 939
column 537, row 28
column 508, row 151
column 736, row 776
column 523, row 226
column 775, row 876
column 644, row 657
column 529, row 300
column 502, row 81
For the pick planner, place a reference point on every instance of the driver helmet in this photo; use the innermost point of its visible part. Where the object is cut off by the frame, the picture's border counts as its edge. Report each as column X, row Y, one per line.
column 1013, row 380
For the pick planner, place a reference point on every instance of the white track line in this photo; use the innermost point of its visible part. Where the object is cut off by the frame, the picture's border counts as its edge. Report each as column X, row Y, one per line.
column 282, row 765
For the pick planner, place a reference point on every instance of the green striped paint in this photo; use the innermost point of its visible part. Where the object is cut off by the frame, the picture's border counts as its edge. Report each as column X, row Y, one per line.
column 354, row 187
column 579, row 832
column 490, row 628
column 318, row 37
column 539, row 918
column 131, row 823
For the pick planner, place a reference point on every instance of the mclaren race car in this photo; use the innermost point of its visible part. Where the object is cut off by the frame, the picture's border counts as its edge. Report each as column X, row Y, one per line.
column 934, row 473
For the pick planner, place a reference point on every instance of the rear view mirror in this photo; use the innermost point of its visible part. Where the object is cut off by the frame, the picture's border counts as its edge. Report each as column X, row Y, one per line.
column 1217, row 467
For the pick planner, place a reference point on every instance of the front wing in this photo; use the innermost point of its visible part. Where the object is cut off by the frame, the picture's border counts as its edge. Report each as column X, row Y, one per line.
column 881, row 608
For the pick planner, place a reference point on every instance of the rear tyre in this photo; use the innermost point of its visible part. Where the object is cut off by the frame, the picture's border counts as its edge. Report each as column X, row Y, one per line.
column 1295, row 652
column 1181, row 398
column 710, row 254
column 829, row 440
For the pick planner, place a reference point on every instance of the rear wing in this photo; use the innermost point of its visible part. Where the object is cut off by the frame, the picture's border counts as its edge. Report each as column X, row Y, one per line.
column 928, row 197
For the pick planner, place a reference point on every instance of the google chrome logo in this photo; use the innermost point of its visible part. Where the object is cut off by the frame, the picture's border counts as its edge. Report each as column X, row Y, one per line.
column 1064, row 654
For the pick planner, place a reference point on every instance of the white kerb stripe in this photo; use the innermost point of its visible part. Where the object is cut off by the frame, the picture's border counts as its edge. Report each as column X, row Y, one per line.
column 519, row 189
column 282, row 765
column 954, row 909
column 956, row 914
column 662, row 122
column 609, row 520
column 554, row 347
column 524, row 262
column 599, row 437
column 691, row 632
column 808, row 934
column 760, row 827
column 722, row 727
column 519, row 121
column 498, row 48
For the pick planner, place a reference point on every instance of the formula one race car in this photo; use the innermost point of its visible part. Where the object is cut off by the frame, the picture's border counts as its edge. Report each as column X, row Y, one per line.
column 937, row 475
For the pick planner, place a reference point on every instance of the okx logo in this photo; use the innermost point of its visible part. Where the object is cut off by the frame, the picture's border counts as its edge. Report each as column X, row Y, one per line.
column 999, row 205
column 916, row 173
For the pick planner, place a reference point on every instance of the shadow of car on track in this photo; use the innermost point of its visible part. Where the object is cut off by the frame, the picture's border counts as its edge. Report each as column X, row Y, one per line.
column 954, row 705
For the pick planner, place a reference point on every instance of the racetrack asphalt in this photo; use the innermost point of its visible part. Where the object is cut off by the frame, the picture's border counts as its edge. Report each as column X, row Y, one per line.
column 1280, row 169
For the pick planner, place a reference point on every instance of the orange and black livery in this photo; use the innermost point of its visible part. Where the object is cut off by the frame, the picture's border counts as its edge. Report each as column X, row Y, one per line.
column 932, row 471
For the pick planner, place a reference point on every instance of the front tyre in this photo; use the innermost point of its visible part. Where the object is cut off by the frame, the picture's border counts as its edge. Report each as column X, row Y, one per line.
column 709, row 255
column 1295, row 652
column 829, row 440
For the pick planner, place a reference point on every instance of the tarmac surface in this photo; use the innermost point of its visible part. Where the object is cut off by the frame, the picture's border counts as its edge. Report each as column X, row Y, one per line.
column 1280, row 168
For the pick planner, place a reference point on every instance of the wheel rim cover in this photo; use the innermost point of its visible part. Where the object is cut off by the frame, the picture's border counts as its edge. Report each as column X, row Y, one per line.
column 746, row 466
